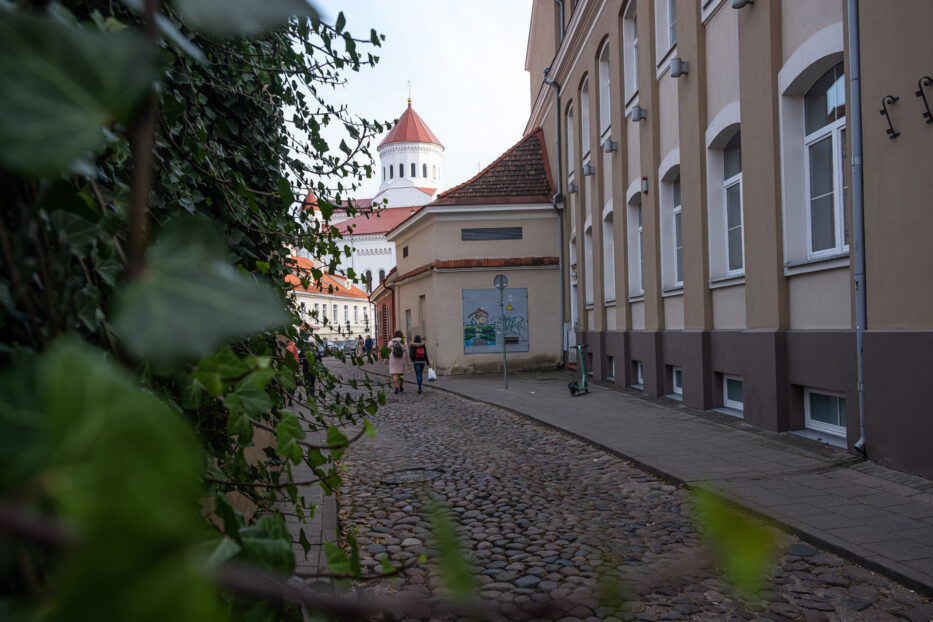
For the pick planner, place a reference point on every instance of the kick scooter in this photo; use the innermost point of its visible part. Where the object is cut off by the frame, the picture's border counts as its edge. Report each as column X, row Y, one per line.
column 581, row 386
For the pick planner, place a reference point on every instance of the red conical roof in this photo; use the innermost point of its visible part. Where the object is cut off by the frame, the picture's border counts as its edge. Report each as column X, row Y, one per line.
column 410, row 129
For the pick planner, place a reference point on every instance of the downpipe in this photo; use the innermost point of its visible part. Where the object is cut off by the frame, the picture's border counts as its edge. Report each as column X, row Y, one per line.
column 558, row 202
column 858, row 211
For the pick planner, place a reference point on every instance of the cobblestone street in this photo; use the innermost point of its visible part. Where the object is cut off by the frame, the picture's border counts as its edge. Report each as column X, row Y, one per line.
column 544, row 516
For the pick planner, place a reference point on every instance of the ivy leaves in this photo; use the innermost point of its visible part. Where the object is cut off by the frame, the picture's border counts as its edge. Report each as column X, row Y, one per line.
column 61, row 85
column 190, row 300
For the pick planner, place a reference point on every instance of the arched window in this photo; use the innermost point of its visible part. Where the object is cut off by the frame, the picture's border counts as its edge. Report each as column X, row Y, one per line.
column 434, row 171
column 401, row 170
column 382, row 275
column 609, row 257
column 825, row 151
column 391, row 172
column 604, row 90
column 630, row 51
column 369, row 280
column 732, row 203
column 424, row 171
column 383, row 173
column 413, row 173
column 678, row 246
column 636, row 258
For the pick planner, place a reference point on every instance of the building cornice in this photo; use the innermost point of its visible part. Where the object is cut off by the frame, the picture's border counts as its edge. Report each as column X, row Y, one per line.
column 519, row 210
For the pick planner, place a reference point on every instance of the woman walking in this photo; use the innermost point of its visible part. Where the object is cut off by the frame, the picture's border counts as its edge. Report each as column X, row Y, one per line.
column 418, row 354
column 398, row 361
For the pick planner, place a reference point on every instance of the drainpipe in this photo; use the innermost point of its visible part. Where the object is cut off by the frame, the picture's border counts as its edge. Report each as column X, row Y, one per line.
column 858, row 210
column 561, row 3
column 558, row 202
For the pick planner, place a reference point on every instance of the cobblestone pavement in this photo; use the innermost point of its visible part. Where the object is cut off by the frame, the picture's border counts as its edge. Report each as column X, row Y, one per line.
column 543, row 516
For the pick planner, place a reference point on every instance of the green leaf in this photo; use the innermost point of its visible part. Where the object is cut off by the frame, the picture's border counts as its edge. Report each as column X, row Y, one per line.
column 303, row 541
column 189, row 300
column 224, row 550
column 61, row 85
column 288, row 432
column 214, row 368
column 79, row 233
column 337, row 440
column 452, row 564
column 743, row 547
column 241, row 17
column 268, row 552
column 337, row 560
column 341, row 22
column 285, row 193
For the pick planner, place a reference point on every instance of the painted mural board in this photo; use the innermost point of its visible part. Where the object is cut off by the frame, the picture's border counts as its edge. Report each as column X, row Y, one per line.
column 482, row 320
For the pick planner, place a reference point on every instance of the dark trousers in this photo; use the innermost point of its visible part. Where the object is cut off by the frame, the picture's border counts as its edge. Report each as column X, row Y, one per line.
column 419, row 370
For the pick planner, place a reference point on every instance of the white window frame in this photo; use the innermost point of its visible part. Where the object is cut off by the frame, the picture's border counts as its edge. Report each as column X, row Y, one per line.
column 589, row 263
column 630, row 53
column 834, row 131
column 820, row 426
column 677, row 389
column 636, row 258
column 605, row 91
column 665, row 20
column 735, row 180
column 609, row 255
column 585, row 118
column 568, row 118
column 726, row 402
column 639, row 375
column 678, row 228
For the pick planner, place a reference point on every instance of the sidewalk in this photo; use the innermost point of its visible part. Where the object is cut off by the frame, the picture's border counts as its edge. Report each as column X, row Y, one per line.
column 878, row 517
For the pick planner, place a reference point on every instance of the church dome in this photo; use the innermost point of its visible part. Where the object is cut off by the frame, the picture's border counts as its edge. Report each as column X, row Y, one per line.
column 410, row 128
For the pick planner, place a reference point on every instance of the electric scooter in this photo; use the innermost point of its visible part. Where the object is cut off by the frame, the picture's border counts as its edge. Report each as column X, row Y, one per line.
column 581, row 386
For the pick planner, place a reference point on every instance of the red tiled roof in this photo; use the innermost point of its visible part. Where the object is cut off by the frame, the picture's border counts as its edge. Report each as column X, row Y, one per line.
column 381, row 221
column 520, row 175
column 410, row 128
column 310, row 202
column 427, row 191
column 329, row 283
column 506, row 262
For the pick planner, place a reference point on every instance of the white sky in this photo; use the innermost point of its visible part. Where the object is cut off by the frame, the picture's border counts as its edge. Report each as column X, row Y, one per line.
column 466, row 62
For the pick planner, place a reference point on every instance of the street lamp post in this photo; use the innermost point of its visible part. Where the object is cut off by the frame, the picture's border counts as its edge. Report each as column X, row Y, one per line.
column 501, row 282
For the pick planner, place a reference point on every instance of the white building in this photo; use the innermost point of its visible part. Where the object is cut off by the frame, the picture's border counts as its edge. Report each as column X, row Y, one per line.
column 411, row 159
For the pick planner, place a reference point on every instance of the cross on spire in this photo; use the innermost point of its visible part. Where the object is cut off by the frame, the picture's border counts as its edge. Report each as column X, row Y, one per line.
column 409, row 93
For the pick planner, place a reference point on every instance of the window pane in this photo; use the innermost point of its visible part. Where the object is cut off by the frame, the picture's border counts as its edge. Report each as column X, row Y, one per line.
column 822, row 203
column 823, row 408
column 734, row 390
column 736, row 258
column 732, row 157
column 676, row 188
column 734, row 226
column 679, row 248
column 822, row 224
column 826, row 100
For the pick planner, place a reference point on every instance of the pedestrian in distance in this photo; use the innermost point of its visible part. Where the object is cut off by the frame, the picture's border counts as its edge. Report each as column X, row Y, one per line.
column 368, row 344
column 398, row 361
column 418, row 353
column 360, row 346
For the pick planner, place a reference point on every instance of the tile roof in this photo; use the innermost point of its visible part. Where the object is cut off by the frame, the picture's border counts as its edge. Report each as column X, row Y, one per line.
column 380, row 221
column 520, row 175
column 410, row 128
column 310, row 202
column 506, row 262
column 329, row 283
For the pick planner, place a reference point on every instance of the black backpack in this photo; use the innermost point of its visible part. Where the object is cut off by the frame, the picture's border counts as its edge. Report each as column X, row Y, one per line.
column 397, row 350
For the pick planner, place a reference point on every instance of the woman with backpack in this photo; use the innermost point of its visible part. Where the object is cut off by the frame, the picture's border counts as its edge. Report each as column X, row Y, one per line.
column 418, row 354
column 398, row 361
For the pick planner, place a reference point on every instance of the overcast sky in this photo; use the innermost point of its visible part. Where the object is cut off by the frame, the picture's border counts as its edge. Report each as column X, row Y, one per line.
column 466, row 63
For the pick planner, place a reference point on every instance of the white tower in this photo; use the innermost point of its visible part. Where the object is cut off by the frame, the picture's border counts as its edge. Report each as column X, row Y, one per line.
column 410, row 156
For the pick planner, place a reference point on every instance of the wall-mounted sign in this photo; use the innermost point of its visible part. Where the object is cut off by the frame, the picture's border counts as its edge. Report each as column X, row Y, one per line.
column 483, row 325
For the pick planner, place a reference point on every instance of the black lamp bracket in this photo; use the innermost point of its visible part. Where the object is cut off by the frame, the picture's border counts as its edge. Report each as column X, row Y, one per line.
column 922, row 82
column 889, row 99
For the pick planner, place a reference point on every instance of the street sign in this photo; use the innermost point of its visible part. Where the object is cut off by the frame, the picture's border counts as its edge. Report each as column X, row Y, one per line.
column 501, row 282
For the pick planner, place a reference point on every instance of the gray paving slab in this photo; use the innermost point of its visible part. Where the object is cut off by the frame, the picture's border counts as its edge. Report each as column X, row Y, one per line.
column 819, row 492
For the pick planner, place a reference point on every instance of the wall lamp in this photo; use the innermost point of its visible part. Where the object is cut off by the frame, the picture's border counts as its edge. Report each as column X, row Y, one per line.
column 738, row 4
column 678, row 67
column 609, row 145
column 573, row 188
column 588, row 170
column 639, row 114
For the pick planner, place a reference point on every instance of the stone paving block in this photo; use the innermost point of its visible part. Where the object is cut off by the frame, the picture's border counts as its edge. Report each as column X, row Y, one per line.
column 900, row 550
column 913, row 510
